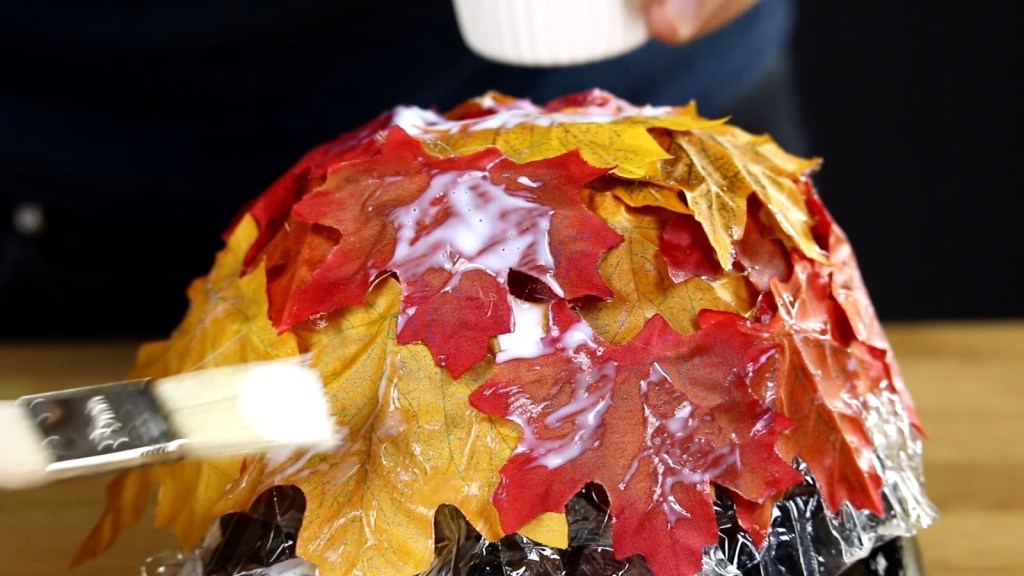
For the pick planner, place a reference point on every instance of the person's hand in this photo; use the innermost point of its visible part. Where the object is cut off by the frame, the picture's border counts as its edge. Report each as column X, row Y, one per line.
column 679, row 21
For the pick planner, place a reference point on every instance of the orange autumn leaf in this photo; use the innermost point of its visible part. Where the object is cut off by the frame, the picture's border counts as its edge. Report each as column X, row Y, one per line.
column 189, row 498
column 642, row 284
column 852, row 295
column 226, row 323
column 719, row 167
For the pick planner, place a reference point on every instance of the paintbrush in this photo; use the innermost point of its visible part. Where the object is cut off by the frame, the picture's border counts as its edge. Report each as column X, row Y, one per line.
column 224, row 411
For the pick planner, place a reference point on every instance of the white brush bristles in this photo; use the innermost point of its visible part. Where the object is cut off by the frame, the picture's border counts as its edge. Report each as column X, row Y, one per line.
column 248, row 407
column 226, row 411
column 21, row 449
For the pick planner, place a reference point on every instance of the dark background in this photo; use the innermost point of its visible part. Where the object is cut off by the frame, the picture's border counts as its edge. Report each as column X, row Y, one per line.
column 915, row 111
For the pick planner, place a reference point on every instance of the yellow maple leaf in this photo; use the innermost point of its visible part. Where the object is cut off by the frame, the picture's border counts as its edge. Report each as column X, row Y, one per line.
column 639, row 194
column 641, row 283
column 621, row 143
column 719, row 167
column 189, row 499
column 226, row 324
column 128, row 495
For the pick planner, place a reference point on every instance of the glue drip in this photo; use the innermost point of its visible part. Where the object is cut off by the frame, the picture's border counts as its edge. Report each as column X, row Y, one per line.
column 677, row 451
column 591, row 398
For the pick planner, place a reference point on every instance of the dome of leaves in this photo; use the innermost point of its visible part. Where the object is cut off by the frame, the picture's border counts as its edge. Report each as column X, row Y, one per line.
column 509, row 302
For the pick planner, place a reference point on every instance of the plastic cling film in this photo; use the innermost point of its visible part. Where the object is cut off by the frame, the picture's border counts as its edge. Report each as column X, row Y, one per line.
column 804, row 539
column 170, row 563
column 178, row 564
column 257, row 542
column 898, row 448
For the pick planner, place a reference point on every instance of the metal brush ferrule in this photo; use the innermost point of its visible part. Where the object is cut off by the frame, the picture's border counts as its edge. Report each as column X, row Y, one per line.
column 103, row 427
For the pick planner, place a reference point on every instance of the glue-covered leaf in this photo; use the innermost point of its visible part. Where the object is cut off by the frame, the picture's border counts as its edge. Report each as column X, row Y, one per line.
column 599, row 101
column 410, row 213
column 355, row 200
column 826, row 385
column 641, row 282
column 831, row 438
column 655, row 421
column 558, row 183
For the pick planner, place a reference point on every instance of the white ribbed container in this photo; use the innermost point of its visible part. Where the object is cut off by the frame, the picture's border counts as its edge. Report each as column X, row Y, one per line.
column 550, row 32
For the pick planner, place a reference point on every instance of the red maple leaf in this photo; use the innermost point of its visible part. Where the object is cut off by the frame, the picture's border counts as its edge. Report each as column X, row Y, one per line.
column 295, row 253
column 431, row 221
column 754, row 517
column 271, row 208
column 445, row 314
column 355, row 200
column 655, row 421
column 577, row 237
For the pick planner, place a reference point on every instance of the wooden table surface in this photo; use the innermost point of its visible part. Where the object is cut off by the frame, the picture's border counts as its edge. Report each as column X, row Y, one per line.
column 967, row 379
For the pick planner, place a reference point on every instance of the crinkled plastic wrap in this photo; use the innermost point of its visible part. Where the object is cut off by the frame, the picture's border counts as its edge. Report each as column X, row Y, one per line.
column 804, row 539
column 257, row 542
